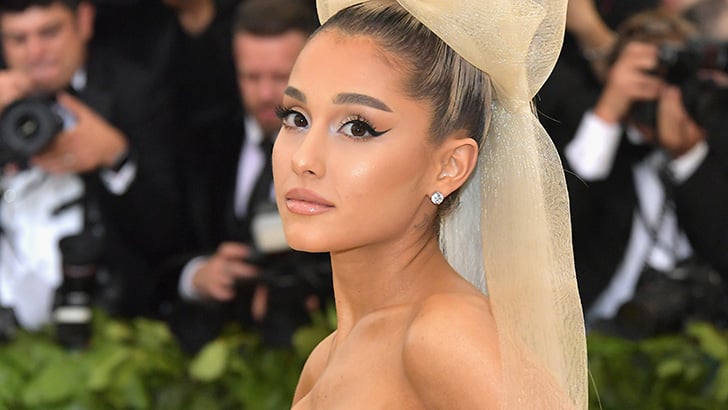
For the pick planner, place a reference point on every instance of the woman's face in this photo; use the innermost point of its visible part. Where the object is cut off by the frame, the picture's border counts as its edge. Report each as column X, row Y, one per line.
column 353, row 163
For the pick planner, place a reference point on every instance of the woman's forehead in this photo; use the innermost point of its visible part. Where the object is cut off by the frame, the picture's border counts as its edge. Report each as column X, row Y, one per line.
column 332, row 56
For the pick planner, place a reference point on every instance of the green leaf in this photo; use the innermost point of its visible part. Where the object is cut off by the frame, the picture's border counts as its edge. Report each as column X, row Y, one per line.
column 172, row 396
column 210, row 362
column 203, row 402
column 721, row 384
column 710, row 340
column 56, row 382
column 131, row 385
column 11, row 383
column 152, row 335
column 117, row 331
column 106, row 361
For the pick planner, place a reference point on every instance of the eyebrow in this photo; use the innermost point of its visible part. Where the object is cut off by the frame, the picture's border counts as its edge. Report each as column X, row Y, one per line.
column 361, row 99
column 294, row 92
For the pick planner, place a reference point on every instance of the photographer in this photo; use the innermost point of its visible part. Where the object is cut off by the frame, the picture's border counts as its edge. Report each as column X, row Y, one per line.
column 241, row 271
column 653, row 191
column 103, row 169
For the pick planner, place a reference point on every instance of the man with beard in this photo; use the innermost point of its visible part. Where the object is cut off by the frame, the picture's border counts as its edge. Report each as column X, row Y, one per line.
column 107, row 172
column 219, row 281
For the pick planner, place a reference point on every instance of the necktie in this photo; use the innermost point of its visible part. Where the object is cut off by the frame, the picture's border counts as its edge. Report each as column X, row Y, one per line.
column 261, row 190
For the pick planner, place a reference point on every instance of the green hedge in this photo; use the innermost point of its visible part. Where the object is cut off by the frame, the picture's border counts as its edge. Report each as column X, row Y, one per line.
column 683, row 371
column 138, row 365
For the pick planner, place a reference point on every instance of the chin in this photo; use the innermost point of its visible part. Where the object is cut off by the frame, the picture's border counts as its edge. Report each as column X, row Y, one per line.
column 49, row 86
column 302, row 238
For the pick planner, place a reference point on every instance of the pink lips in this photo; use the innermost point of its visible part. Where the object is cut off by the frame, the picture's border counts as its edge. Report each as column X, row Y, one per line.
column 304, row 202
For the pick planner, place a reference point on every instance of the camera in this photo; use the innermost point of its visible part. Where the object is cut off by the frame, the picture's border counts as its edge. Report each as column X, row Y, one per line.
column 281, row 266
column 73, row 300
column 678, row 64
column 290, row 276
column 29, row 125
column 681, row 65
column 664, row 302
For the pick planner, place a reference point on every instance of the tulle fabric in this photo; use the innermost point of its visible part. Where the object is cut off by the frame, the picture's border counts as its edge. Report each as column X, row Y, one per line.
column 520, row 254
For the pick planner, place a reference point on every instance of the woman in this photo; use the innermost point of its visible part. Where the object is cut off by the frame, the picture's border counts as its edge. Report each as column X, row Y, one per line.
column 383, row 127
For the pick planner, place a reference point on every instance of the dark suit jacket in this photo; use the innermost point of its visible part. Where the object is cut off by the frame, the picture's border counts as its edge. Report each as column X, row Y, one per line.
column 141, row 226
column 602, row 214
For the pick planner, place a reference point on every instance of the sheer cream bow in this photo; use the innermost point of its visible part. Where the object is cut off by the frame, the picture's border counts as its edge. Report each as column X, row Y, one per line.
column 524, row 261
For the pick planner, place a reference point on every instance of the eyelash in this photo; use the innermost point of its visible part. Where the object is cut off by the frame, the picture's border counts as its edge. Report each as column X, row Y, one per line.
column 283, row 112
column 368, row 128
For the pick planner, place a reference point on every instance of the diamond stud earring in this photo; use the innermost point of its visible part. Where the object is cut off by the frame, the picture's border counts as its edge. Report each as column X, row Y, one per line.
column 437, row 198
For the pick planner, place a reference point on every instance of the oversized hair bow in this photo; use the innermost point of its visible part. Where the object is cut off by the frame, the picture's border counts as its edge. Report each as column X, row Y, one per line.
column 520, row 254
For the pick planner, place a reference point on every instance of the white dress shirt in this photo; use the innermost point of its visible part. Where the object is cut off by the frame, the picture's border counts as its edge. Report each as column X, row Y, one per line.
column 251, row 161
column 30, row 261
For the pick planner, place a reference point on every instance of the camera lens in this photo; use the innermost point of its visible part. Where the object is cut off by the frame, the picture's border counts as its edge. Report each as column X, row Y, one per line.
column 27, row 127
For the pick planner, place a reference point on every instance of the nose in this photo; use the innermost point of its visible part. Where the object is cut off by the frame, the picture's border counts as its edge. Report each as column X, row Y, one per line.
column 34, row 48
column 269, row 90
column 308, row 159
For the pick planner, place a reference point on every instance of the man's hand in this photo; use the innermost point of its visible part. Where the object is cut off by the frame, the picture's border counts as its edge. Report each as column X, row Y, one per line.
column 13, row 86
column 90, row 144
column 216, row 278
column 628, row 81
column 677, row 132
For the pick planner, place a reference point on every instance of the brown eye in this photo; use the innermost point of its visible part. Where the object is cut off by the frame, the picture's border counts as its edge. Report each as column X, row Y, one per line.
column 358, row 129
column 291, row 118
column 299, row 120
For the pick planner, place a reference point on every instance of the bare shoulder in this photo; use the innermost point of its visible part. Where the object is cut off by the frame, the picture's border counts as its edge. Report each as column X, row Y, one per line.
column 451, row 355
column 313, row 368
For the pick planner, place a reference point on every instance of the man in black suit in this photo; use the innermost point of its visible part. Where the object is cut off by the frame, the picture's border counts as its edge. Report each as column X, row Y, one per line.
column 652, row 192
column 223, row 279
column 107, row 171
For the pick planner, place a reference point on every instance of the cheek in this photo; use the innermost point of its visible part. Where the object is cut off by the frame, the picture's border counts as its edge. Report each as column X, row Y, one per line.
column 282, row 151
column 385, row 178
column 15, row 56
column 247, row 88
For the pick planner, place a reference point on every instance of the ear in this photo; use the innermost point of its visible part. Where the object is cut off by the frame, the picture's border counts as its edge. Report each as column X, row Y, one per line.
column 85, row 15
column 457, row 157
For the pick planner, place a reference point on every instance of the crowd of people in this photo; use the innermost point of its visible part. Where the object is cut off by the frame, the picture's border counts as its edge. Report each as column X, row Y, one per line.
column 162, row 159
column 169, row 111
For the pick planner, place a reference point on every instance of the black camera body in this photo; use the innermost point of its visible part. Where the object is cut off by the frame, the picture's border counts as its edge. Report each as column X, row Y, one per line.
column 27, row 126
column 280, row 266
column 291, row 278
column 664, row 302
column 677, row 64
column 680, row 65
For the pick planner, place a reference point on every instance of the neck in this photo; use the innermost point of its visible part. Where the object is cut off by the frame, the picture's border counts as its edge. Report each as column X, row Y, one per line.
column 383, row 276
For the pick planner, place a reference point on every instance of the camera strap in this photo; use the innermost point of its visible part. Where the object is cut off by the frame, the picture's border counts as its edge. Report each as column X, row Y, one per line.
column 655, row 226
column 653, row 230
